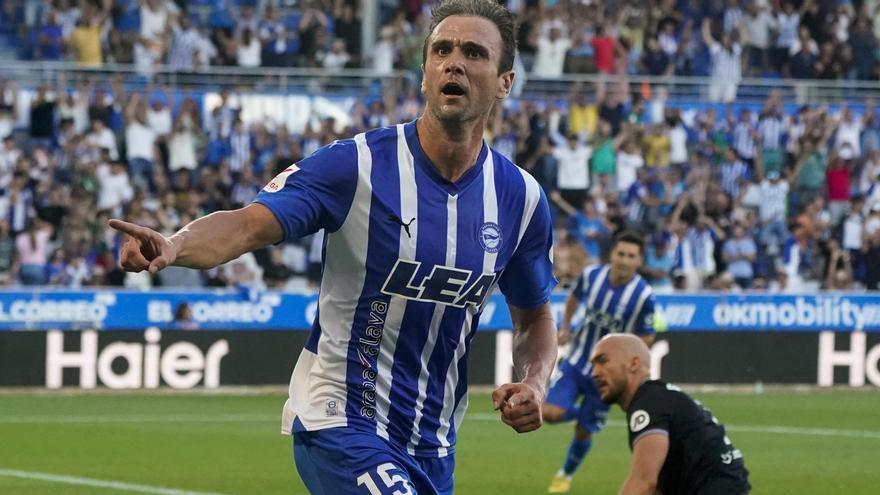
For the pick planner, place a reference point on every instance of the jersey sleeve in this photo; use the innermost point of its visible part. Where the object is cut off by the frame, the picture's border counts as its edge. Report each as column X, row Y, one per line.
column 644, row 324
column 528, row 278
column 648, row 414
column 314, row 193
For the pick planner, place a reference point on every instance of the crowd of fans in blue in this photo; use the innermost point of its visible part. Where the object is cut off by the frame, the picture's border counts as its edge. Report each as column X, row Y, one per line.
column 777, row 198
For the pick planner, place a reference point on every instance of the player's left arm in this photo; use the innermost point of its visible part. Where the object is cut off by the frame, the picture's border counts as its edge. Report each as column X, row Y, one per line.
column 526, row 283
column 649, row 454
column 534, row 354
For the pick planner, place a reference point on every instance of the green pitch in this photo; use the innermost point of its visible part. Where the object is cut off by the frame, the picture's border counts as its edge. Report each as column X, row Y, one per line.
column 797, row 443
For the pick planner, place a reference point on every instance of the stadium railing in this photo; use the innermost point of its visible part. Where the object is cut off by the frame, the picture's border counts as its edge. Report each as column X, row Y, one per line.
column 366, row 81
column 263, row 79
column 696, row 89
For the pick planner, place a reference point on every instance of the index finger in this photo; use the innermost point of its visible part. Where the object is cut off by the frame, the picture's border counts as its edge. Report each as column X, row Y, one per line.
column 521, row 397
column 129, row 228
column 501, row 394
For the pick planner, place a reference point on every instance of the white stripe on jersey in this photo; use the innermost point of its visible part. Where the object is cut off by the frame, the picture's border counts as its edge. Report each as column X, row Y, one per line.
column 344, row 276
column 594, row 293
column 646, row 293
column 490, row 214
column 626, row 296
column 396, row 306
column 532, row 197
column 609, row 294
column 436, row 318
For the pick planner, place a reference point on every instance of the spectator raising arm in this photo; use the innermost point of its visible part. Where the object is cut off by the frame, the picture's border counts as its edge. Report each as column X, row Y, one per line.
column 563, row 205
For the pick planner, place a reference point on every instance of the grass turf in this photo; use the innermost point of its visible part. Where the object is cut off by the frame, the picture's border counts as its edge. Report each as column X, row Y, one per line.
column 797, row 443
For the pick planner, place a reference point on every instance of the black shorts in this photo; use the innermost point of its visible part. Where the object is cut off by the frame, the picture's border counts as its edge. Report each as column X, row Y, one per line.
column 726, row 485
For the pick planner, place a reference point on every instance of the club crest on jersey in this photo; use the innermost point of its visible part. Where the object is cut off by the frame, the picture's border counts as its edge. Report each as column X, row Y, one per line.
column 278, row 182
column 490, row 237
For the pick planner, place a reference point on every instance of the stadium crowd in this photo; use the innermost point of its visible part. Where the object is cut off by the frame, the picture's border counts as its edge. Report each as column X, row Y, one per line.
column 767, row 38
column 778, row 199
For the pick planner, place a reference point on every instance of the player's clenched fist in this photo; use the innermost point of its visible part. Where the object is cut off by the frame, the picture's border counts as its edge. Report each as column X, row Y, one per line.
column 144, row 249
column 520, row 406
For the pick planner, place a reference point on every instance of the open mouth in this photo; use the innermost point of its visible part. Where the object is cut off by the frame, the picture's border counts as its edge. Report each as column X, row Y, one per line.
column 452, row 89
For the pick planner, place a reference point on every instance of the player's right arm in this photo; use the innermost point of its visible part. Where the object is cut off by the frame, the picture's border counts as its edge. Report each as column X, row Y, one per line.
column 316, row 193
column 204, row 243
column 649, row 454
column 571, row 305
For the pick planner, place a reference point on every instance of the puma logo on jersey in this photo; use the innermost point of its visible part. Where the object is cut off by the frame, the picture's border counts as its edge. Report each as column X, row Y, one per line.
column 396, row 219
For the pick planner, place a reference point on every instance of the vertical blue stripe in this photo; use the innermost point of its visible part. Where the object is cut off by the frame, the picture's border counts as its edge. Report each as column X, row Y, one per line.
column 469, row 256
column 592, row 327
column 510, row 190
column 383, row 238
column 430, row 251
column 631, row 304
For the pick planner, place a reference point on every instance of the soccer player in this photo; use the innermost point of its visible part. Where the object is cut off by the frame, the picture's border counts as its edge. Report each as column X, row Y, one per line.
column 614, row 299
column 678, row 447
column 421, row 220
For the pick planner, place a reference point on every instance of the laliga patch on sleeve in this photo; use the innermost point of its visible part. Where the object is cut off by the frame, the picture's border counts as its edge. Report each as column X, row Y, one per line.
column 278, row 182
column 639, row 420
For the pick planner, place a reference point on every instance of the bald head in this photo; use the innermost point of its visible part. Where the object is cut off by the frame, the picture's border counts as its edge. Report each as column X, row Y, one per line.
column 627, row 346
column 621, row 362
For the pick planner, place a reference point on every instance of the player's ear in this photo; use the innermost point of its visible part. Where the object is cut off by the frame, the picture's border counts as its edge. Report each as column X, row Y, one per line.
column 423, row 79
column 634, row 364
column 505, row 83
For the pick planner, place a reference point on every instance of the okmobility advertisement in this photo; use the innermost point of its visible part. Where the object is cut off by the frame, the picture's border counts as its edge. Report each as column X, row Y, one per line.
column 64, row 339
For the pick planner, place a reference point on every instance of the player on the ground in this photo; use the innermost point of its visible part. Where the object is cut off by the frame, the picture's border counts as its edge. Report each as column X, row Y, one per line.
column 678, row 447
column 422, row 220
column 614, row 299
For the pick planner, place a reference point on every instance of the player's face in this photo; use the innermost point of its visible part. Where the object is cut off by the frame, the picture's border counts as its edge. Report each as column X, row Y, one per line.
column 461, row 80
column 626, row 258
column 609, row 373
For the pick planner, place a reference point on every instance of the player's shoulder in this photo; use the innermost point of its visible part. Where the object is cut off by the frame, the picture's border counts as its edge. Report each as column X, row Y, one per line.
column 654, row 392
column 381, row 135
column 512, row 174
column 593, row 270
column 643, row 286
column 340, row 151
column 347, row 148
column 649, row 406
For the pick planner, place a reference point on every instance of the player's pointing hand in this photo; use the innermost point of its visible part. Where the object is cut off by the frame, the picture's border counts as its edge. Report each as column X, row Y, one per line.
column 144, row 249
column 520, row 406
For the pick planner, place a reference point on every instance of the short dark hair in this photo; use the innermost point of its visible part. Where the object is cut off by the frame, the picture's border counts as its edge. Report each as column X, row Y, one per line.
column 487, row 9
column 629, row 237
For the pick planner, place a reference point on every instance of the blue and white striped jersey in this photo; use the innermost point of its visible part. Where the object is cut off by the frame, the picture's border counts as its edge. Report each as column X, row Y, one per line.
column 409, row 259
column 608, row 309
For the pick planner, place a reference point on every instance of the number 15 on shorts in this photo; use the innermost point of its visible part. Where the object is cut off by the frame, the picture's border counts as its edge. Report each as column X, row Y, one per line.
column 389, row 480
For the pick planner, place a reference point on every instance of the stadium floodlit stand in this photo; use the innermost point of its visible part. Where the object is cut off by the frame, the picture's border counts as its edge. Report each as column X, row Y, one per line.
column 720, row 130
